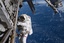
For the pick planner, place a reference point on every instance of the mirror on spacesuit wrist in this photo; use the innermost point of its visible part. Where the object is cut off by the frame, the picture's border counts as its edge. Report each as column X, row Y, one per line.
column 19, row 26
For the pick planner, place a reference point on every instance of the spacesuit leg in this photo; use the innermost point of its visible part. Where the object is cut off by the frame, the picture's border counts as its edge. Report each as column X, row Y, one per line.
column 24, row 38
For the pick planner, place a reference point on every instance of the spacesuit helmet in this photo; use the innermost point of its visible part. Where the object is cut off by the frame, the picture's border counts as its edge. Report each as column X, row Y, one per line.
column 21, row 18
column 24, row 15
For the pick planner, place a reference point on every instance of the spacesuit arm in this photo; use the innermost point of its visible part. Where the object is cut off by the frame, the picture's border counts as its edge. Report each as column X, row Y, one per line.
column 21, row 24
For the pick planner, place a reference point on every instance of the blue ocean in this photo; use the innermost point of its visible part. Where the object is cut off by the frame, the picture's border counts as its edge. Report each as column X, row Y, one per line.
column 47, row 26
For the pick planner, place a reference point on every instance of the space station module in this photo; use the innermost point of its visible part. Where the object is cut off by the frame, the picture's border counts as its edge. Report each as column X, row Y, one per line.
column 3, row 29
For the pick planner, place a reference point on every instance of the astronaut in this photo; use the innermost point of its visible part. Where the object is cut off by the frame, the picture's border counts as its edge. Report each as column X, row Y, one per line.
column 25, row 27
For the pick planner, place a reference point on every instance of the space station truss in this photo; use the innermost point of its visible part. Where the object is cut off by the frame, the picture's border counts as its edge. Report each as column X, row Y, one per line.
column 8, row 14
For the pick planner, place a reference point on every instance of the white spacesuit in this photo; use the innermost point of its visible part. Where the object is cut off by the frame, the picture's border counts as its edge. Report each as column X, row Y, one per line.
column 25, row 27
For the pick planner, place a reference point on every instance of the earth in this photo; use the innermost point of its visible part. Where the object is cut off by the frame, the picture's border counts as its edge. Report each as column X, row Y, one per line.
column 47, row 26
